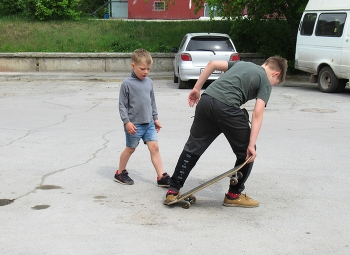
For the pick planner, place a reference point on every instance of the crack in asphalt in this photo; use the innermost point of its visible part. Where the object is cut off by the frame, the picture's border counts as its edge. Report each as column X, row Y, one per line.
column 65, row 117
column 44, row 177
column 29, row 132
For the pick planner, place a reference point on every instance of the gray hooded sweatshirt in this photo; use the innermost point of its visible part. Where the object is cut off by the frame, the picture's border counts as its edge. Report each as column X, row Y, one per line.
column 137, row 103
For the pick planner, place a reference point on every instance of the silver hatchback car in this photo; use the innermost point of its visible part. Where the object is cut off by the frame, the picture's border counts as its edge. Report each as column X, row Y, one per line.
column 195, row 52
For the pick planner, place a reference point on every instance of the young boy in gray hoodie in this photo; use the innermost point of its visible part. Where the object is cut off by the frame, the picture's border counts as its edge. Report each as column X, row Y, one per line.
column 138, row 111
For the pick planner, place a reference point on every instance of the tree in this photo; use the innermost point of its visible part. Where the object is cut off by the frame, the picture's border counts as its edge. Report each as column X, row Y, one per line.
column 10, row 7
column 91, row 6
column 283, row 18
column 42, row 9
column 54, row 10
column 291, row 10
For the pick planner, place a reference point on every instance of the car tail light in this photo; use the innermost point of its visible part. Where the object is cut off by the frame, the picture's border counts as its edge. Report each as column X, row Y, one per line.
column 186, row 57
column 235, row 57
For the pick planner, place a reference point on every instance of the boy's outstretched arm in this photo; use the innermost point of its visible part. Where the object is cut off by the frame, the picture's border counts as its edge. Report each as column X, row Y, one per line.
column 194, row 95
column 257, row 118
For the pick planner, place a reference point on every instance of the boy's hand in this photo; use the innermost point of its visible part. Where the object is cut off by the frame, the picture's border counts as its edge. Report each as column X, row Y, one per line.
column 251, row 152
column 130, row 128
column 157, row 125
column 193, row 97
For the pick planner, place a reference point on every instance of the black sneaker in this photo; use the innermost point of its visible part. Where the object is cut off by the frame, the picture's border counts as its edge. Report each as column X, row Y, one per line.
column 123, row 178
column 164, row 181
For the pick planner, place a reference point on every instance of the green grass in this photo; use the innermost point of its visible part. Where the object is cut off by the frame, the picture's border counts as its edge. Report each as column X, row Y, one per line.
column 92, row 35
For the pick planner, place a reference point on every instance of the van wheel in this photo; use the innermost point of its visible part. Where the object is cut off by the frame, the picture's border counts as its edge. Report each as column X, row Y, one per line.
column 176, row 79
column 342, row 84
column 182, row 84
column 327, row 81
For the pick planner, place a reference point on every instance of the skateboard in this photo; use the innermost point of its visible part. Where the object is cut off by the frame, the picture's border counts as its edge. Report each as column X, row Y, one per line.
column 188, row 198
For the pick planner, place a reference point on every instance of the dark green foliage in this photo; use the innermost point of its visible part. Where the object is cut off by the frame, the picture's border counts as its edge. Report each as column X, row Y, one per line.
column 90, row 6
column 94, row 8
column 10, row 7
column 268, row 37
column 53, row 10
column 42, row 9
column 56, row 10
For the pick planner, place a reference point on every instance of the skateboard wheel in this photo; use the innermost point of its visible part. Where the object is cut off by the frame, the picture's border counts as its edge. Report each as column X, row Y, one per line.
column 233, row 181
column 193, row 200
column 239, row 175
column 186, row 205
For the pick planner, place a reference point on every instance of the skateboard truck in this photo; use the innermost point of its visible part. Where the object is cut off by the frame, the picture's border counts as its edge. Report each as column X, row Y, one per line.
column 235, row 177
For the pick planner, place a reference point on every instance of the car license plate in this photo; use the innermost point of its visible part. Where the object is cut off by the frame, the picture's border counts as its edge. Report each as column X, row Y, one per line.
column 215, row 71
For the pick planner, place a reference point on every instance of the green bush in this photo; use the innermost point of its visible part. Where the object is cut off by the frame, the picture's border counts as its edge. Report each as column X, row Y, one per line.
column 10, row 7
column 90, row 6
column 42, row 9
column 267, row 37
column 52, row 10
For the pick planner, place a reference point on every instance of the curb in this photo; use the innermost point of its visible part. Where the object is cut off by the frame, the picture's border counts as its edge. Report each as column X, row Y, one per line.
column 86, row 76
column 105, row 76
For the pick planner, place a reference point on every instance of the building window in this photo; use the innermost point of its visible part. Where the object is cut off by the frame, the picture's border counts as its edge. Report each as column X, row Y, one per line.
column 158, row 6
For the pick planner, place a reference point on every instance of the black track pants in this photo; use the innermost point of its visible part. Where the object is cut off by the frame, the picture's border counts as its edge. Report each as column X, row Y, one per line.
column 183, row 168
column 211, row 119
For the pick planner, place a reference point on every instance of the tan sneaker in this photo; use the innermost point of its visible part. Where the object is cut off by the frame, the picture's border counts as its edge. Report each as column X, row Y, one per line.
column 171, row 197
column 242, row 201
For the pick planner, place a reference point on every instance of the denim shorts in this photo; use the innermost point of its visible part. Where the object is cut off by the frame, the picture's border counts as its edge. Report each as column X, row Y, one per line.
column 146, row 132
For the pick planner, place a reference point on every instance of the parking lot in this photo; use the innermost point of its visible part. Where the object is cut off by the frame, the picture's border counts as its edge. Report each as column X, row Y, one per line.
column 61, row 138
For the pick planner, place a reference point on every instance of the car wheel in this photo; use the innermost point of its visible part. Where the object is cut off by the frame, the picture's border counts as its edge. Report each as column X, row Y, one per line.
column 176, row 79
column 327, row 81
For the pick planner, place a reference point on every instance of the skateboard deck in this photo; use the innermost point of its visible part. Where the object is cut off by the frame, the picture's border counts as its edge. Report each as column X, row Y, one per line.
column 188, row 197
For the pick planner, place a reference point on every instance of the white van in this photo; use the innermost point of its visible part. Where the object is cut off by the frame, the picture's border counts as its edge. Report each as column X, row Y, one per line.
column 323, row 43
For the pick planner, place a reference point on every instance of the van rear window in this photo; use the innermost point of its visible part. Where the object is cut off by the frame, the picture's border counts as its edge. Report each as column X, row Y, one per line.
column 330, row 24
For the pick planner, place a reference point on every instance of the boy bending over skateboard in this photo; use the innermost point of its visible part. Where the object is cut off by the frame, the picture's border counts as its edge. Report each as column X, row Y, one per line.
column 218, row 111
column 138, row 111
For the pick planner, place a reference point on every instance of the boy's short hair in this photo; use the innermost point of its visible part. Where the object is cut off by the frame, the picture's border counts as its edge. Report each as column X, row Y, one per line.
column 278, row 64
column 141, row 56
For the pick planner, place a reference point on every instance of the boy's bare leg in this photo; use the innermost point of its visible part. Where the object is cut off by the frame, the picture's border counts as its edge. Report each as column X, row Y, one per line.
column 124, row 158
column 155, row 157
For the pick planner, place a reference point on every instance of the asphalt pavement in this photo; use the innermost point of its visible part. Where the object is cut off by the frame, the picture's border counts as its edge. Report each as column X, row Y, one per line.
column 61, row 138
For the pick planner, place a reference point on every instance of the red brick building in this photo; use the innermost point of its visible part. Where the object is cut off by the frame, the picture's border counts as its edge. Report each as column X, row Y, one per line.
column 154, row 9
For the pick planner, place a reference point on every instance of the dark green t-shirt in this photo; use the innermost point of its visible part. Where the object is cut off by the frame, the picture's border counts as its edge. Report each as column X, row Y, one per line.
column 243, row 81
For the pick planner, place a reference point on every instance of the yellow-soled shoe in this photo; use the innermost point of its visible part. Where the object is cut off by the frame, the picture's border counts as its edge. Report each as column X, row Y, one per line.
column 242, row 201
column 171, row 197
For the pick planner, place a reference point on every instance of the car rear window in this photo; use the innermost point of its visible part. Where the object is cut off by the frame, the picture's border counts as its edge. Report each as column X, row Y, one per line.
column 210, row 43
